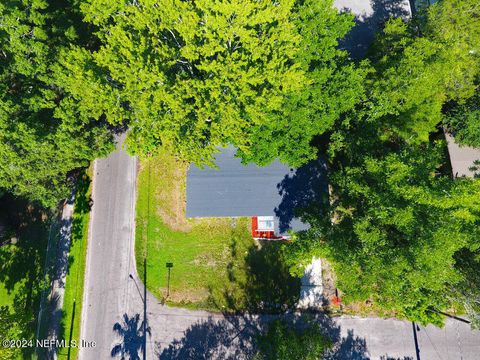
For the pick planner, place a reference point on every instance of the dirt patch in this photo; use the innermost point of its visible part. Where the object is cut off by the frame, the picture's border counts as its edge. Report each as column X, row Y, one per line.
column 213, row 223
column 212, row 260
column 186, row 295
column 207, row 260
column 367, row 309
column 329, row 281
column 170, row 196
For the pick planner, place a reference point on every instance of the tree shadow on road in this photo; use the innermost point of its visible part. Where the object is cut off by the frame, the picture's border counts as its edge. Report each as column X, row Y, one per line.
column 229, row 338
column 349, row 348
column 235, row 337
column 132, row 337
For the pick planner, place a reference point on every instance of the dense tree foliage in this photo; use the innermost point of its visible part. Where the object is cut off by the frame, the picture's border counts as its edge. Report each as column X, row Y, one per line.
column 8, row 332
column 397, row 223
column 268, row 78
column 284, row 341
column 467, row 291
column 463, row 121
column 335, row 86
column 193, row 75
column 422, row 64
column 44, row 132
column 189, row 76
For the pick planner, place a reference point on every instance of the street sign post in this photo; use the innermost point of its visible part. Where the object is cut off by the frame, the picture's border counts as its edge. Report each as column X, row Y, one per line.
column 169, row 266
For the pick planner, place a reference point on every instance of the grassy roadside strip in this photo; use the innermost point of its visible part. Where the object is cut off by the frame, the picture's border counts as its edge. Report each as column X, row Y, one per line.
column 72, row 306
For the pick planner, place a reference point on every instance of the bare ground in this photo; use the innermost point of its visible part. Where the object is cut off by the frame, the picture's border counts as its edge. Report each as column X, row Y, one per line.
column 329, row 281
column 172, row 193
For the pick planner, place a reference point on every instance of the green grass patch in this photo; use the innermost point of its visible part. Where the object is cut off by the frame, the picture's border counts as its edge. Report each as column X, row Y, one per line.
column 6, row 297
column 216, row 263
column 22, row 263
column 72, row 303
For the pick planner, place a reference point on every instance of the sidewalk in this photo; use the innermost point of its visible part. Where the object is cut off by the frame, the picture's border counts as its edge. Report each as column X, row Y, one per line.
column 311, row 291
column 55, row 298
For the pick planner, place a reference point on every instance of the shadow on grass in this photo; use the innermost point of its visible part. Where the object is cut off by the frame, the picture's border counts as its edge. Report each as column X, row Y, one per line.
column 258, row 280
column 83, row 200
column 22, row 259
column 83, row 205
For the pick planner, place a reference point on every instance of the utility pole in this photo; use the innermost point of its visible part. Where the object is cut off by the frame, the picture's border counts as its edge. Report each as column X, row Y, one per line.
column 415, row 339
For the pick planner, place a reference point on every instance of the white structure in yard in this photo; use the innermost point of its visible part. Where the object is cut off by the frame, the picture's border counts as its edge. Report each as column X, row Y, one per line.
column 311, row 291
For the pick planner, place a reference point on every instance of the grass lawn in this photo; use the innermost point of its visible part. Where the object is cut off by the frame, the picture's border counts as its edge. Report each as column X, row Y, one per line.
column 6, row 298
column 72, row 303
column 22, row 260
column 216, row 263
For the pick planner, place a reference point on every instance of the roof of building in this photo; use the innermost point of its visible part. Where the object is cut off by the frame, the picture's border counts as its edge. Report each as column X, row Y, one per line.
column 462, row 158
column 235, row 190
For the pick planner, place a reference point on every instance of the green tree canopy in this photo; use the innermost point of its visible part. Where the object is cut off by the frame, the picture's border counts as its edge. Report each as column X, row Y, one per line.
column 421, row 65
column 44, row 132
column 463, row 121
column 398, row 223
column 467, row 291
column 8, row 331
column 193, row 75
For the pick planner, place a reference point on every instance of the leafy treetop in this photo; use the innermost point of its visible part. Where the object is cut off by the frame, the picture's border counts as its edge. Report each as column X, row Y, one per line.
column 195, row 75
column 44, row 132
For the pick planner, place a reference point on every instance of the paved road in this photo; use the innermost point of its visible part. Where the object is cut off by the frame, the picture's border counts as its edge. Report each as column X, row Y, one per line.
column 109, row 292
column 184, row 334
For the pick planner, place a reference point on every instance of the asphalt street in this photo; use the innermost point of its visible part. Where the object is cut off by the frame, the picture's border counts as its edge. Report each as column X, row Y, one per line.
column 111, row 293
